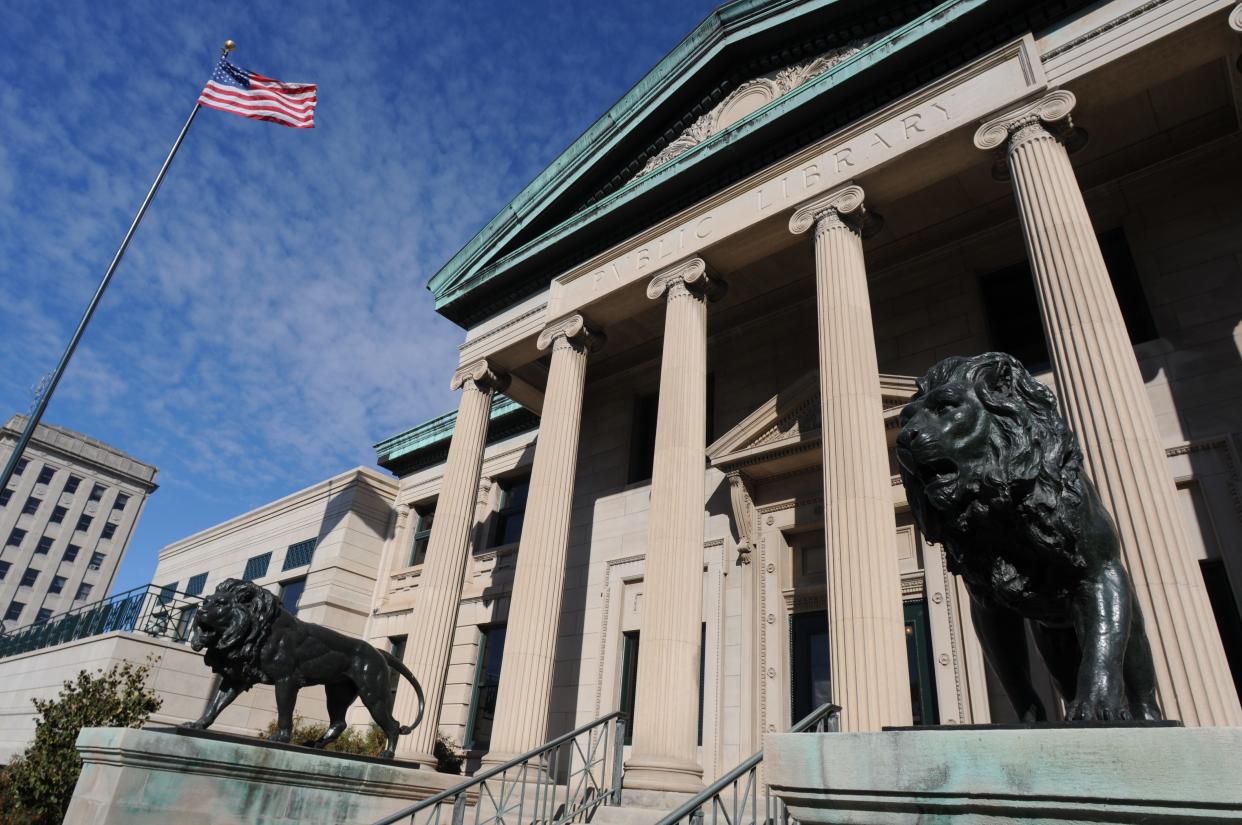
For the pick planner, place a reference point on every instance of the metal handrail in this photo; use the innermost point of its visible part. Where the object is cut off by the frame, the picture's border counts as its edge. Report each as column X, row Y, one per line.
column 826, row 717
column 151, row 609
column 537, row 772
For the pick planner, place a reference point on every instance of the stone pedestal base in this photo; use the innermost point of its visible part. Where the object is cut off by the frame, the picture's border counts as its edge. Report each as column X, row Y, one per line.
column 1041, row 775
column 135, row 777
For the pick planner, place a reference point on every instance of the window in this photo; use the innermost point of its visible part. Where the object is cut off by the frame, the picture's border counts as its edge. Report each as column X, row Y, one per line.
column 256, row 566
column 512, row 509
column 58, row 514
column 486, row 682
column 5, row 496
column 422, row 535
column 29, row 577
column 629, row 678
column 4, row 570
column 1012, row 308
column 811, row 684
column 15, row 610
column 16, row 537
column 396, row 646
column 291, row 594
column 71, row 484
column 167, row 592
column 84, row 523
column 195, row 585
column 45, row 475
column 21, row 466
column 923, row 706
column 71, row 553
column 57, row 585
column 642, row 438
column 84, row 590
column 300, row 554
column 31, row 506
column 45, row 544
column 96, row 492
column 108, row 531
column 43, row 615
column 1225, row 609
column 121, row 501
column 97, row 560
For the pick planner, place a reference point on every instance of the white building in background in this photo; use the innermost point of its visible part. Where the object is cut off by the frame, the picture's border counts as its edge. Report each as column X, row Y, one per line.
column 65, row 520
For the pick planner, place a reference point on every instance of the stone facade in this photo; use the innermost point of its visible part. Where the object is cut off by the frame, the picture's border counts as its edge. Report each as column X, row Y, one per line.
column 68, row 517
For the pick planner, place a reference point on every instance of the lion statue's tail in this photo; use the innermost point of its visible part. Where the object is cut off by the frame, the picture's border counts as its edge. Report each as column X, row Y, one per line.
column 397, row 665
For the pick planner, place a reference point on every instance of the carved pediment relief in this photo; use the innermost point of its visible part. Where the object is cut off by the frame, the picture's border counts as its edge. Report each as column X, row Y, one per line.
column 783, row 433
column 752, row 96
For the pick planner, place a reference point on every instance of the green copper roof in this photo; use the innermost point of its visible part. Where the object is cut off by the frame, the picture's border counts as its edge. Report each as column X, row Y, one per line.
column 493, row 251
column 427, row 443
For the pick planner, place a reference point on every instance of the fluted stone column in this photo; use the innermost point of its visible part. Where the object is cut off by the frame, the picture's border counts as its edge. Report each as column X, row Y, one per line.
column 666, row 709
column 1102, row 395
column 522, row 703
column 866, row 628
column 434, row 615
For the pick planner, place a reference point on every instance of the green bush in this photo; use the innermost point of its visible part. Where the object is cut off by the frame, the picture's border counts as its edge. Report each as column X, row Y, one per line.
column 37, row 785
column 448, row 754
column 351, row 741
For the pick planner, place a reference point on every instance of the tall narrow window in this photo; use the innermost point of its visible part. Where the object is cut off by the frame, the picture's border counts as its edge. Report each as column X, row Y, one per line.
column 486, row 682
column 629, row 680
column 512, row 510
column 291, row 594
column 422, row 534
column 811, row 684
column 642, row 438
column 46, row 475
column 1228, row 617
column 923, row 706
column 21, row 466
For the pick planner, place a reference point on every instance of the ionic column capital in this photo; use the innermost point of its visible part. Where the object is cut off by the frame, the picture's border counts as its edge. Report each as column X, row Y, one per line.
column 840, row 209
column 572, row 330
column 481, row 375
column 688, row 277
column 1235, row 18
column 1048, row 116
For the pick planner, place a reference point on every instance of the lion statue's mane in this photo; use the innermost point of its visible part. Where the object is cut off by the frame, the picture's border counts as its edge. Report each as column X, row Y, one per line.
column 1031, row 474
column 233, row 651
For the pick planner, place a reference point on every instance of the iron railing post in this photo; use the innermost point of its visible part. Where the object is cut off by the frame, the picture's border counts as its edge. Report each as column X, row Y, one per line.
column 459, row 809
column 618, row 755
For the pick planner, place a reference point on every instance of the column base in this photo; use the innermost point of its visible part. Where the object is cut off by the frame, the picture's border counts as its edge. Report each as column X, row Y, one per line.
column 656, row 774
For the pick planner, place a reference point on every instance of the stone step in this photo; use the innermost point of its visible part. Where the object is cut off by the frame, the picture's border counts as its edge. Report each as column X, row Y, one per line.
column 629, row 815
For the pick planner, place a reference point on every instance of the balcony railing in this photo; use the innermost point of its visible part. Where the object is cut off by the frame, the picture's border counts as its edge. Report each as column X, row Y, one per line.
column 156, row 611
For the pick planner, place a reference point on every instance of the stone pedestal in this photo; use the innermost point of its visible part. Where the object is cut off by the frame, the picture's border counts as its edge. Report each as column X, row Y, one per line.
column 1044, row 775
column 539, row 583
column 866, row 630
column 434, row 616
column 1103, row 397
column 149, row 777
column 666, row 708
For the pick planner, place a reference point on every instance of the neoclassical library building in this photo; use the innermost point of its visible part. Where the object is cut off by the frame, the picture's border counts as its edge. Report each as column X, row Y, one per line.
column 669, row 486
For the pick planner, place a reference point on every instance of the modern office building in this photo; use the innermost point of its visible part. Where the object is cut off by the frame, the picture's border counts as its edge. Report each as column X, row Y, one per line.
column 65, row 519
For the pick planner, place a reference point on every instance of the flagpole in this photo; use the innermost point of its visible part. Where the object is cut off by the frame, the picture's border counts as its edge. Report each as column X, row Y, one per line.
column 46, row 396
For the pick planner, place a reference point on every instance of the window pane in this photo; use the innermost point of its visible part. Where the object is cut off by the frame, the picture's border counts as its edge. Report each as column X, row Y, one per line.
column 29, row 577
column 58, row 584
column 96, row 492
column 121, row 501
column 15, row 610
column 629, row 681
column 84, row 523
column 5, row 496
column 45, row 475
column 97, row 560
column 71, row 485
column 487, row 680
column 4, row 569
column 300, row 554
column 195, row 585
column 71, row 552
column 924, row 709
column 256, row 567
column 43, row 615
column 45, row 544
column 21, row 466
column 31, row 505
column 108, row 531
column 58, row 514
column 84, row 590
column 291, row 594
column 812, row 682
column 16, row 537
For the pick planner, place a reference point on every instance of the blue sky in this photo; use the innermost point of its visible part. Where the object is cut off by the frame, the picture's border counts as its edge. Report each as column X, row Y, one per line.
column 270, row 321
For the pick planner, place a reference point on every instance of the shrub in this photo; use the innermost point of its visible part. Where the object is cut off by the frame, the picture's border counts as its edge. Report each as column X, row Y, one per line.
column 351, row 741
column 448, row 754
column 38, row 784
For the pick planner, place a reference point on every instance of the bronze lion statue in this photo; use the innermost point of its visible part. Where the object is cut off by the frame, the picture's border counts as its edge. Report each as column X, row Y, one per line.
column 250, row 639
column 993, row 473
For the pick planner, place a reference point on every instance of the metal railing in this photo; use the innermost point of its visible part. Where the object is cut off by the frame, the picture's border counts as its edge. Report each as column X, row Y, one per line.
column 737, row 798
column 156, row 611
column 562, row 781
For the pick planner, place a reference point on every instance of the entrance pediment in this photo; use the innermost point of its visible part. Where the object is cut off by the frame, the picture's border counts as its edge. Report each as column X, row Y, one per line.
column 782, row 435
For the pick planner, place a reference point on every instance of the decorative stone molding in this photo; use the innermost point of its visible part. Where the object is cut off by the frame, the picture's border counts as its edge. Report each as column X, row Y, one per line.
column 574, row 330
column 753, row 95
column 1235, row 18
column 482, row 374
column 688, row 276
column 742, row 498
column 839, row 208
column 1048, row 115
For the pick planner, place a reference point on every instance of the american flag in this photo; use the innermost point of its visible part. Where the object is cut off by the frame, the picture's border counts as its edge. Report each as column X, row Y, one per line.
column 250, row 94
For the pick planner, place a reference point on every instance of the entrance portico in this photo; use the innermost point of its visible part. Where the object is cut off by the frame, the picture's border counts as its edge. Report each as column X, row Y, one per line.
column 844, row 307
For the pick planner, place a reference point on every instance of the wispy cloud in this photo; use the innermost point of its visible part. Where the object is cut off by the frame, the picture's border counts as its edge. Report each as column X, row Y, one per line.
column 270, row 321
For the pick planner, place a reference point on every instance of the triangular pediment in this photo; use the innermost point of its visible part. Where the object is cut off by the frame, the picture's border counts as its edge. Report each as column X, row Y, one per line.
column 783, row 433
column 757, row 80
